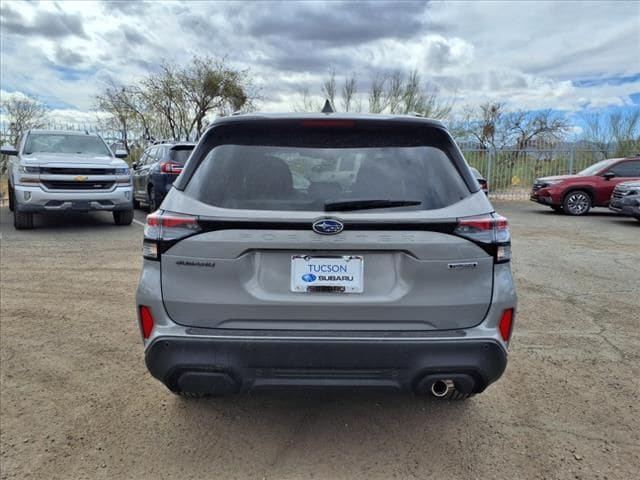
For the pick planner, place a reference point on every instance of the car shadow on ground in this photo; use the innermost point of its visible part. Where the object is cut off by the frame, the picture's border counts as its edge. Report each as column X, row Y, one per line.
column 63, row 220
column 277, row 403
column 592, row 213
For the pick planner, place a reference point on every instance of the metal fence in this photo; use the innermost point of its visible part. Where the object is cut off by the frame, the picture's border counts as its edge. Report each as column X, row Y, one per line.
column 510, row 172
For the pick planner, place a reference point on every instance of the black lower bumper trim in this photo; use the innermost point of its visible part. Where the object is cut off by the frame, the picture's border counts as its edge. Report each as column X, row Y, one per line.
column 76, row 206
column 212, row 365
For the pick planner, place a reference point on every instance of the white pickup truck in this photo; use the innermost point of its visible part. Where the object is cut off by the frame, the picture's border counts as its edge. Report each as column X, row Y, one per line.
column 54, row 171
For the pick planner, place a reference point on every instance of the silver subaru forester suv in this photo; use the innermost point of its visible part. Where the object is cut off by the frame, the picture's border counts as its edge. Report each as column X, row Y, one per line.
column 386, row 267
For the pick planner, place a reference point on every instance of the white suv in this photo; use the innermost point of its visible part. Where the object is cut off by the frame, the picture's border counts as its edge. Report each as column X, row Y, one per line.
column 58, row 171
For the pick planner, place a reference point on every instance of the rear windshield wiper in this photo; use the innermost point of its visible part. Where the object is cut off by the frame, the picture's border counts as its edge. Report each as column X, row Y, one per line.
column 345, row 205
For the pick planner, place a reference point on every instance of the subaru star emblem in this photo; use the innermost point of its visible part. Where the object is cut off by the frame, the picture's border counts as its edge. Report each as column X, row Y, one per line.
column 309, row 277
column 327, row 226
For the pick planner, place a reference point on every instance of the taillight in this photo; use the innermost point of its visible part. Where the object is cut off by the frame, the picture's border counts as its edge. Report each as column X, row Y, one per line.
column 146, row 321
column 506, row 324
column 490, row 230
column 165, row 229
column 170, row 167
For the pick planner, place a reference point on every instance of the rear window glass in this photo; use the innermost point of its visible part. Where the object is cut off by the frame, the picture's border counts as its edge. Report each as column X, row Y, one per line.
column 299, row 175
column 180, row 154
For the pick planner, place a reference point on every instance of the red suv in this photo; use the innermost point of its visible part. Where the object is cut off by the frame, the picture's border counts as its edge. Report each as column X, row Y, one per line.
column 592, row 187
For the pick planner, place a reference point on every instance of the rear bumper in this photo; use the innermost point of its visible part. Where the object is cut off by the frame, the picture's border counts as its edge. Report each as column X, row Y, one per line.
column 226, row 364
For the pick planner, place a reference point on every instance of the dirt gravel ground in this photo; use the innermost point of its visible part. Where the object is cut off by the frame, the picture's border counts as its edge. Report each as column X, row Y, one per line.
column 78, row 403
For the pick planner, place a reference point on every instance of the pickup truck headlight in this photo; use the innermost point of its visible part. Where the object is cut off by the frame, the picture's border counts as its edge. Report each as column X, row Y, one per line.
column 122, row 171
column 25, row 169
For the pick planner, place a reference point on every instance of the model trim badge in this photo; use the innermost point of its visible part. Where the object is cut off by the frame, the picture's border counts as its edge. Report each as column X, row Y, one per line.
column 462, row 265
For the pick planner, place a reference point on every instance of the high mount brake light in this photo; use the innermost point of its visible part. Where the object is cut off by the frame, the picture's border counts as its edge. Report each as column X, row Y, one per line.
column 329, row 123
column 488, row 230
column 170, row 167
column 165, row 229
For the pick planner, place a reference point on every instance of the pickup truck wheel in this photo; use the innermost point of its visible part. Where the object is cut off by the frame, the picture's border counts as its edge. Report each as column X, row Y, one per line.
column 576, row 202
column 11, row 200
column 123, row 217
column 22, row 220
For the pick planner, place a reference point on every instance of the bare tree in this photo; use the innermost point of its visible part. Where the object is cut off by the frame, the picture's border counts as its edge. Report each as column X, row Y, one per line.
column 306, row 103
column 22, row 114
column 614, row 133
column 377, row 101
column 349, row 92
column 208, row 85
column 395, row 92
column 491, row 126
column 162, row 95
column 329, row 88
column 175, row 102
column 123, row 105
column 525, row 128
column 406, row 93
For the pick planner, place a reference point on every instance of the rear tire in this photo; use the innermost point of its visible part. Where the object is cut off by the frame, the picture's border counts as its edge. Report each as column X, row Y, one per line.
column 153, row 201
column 22, row 220
column 123, row 217
column 576, row 202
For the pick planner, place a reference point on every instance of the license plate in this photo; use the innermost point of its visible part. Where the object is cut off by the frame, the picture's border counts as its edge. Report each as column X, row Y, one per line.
column 80, row 206
column 327, row 274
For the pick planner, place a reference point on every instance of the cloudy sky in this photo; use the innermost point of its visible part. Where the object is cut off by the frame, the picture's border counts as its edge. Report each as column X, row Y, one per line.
column 566, row 56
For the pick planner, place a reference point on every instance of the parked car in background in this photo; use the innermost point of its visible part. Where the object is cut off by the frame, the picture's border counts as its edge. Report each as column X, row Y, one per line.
column 626, row 199
column 397, row 276
column 592, row 187
column 156, row 171
column 54, row 171
column 481, row 180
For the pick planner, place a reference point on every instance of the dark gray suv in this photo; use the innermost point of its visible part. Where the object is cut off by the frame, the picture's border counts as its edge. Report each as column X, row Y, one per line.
column 395, row 275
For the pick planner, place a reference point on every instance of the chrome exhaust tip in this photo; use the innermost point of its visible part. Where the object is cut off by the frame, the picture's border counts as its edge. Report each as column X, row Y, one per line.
column 440, row 388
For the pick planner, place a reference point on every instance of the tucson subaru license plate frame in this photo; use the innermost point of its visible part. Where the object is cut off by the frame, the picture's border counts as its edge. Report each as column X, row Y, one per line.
column 328, row 274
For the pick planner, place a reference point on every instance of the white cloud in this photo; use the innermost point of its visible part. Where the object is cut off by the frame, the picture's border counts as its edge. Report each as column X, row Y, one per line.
column 532, row 55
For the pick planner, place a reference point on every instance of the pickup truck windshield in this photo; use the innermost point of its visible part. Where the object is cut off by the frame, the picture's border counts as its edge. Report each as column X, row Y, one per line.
column 65, row 143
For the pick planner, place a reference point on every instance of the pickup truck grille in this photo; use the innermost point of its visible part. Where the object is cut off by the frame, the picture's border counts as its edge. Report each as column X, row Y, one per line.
column 77, row 171
column 73, row 185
